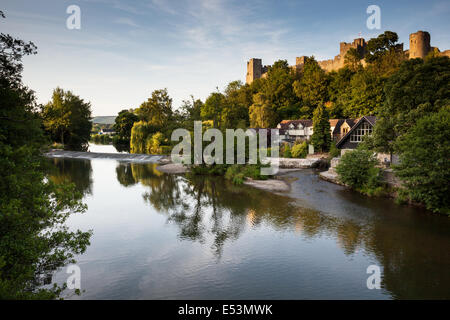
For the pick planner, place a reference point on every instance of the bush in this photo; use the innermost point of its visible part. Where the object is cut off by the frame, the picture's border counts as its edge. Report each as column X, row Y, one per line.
column 287, row 151
column 357, row 170
column 300, row 150
column 166, row 149
column 238, row 172
column 334, row 151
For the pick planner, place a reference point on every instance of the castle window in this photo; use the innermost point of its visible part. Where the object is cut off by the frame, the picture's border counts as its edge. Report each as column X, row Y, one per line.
column 360, row 132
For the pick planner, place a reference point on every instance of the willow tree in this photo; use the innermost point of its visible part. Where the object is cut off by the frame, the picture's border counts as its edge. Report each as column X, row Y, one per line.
column 140, row 133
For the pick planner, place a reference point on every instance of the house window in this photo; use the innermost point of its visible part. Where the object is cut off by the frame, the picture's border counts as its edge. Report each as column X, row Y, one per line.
column 360, row 132
column 344, row 130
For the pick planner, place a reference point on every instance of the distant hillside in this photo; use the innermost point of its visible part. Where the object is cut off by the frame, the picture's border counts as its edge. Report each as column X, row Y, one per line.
column 104, row 120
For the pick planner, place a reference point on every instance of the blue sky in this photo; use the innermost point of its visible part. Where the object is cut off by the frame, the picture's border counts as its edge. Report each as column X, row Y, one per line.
column 126, row 49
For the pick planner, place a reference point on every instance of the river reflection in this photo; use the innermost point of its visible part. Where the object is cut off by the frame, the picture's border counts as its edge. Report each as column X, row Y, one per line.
column 314, row 242
column 77, row 172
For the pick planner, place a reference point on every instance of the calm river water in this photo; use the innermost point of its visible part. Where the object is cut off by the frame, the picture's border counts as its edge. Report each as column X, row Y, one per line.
column 158, row 236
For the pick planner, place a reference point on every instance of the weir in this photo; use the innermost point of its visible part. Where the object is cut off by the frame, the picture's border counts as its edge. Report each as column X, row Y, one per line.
column 126, row 157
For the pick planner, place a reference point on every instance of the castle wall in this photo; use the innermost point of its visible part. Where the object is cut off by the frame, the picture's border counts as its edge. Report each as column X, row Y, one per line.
column 419, row 47
column 445, row 53
column 331, row 64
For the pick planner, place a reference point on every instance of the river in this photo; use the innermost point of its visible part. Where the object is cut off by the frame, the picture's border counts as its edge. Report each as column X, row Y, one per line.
column 158, row 236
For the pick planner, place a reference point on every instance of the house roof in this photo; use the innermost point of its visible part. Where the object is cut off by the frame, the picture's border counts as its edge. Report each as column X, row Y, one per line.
column 305, row 122
column 334, row 122
column 370, row 119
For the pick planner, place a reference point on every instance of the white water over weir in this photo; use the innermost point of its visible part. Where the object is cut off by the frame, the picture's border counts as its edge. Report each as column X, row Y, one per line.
column 128, row 157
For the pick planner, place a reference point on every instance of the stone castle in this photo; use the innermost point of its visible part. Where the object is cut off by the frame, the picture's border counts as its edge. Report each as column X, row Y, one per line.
column 419, row 47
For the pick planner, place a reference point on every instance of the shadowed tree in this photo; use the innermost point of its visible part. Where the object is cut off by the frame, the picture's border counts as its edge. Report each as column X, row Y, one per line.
column 68, row 119
column 35, row 242
column 321, row 137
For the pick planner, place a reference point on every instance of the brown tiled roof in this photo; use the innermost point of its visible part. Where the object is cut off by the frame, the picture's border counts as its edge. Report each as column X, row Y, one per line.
column 334, row 122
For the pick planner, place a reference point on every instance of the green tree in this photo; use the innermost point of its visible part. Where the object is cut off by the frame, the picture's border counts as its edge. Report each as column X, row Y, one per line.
column 424, row 161
column 312, row 88
column 378, row 46
column 212, row 108
column 123, row 124
column 34, row 240
column 321, row 137
column 262, row 115
column 140, row 133
column 339, row 91
column 157, row 110
column 277, row 88
column 153, row 144
column 67, row 118
column 417, row 89
column 365, row 95
column 191, row 110
column 352, row 59
column 357, row 169
column 384, row 53
column 236, row 106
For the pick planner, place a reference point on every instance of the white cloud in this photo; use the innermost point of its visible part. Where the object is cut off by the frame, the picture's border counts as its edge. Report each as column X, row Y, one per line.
column 126, row 21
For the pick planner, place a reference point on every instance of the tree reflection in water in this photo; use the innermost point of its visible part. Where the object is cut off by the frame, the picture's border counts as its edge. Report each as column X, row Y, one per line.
column 413, row 249
column 78, row 172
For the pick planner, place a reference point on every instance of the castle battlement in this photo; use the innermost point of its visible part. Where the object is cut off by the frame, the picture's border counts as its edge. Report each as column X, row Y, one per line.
column 419, row 47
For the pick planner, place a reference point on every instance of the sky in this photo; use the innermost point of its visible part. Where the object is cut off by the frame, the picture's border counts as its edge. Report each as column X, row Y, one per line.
column 125, row 49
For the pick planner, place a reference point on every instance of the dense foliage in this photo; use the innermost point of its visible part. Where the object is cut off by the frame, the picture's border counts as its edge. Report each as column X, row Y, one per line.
column 123, row 124
column 67, row 118
column 398, row 91
column 299, row 150
column 321, row 137
column 357, row 169
column 34, row 240
column 424, row 161
column 417, row 89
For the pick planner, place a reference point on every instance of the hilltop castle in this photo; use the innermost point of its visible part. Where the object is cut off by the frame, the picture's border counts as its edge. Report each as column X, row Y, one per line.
column 419, row 47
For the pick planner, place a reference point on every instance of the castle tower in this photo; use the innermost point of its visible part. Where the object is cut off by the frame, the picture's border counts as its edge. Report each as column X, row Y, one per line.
column 359, row 44
column 419, row 44
column 254, row 70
